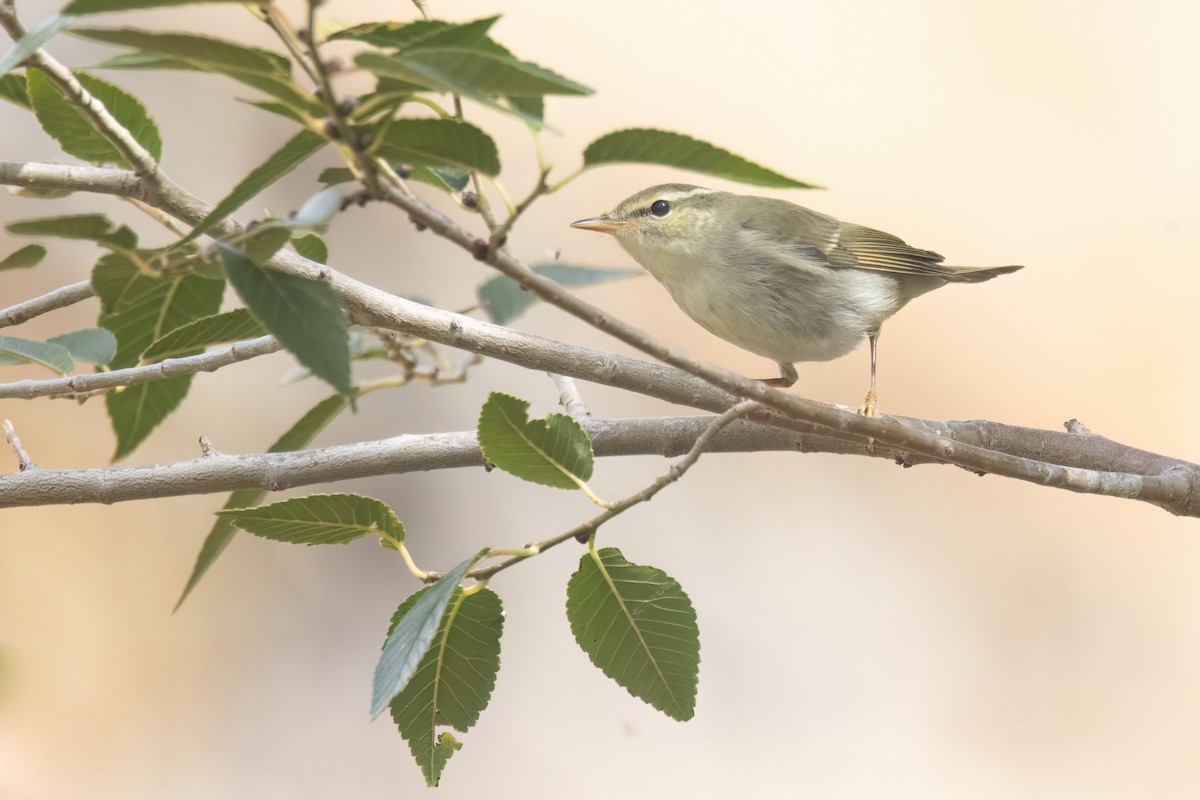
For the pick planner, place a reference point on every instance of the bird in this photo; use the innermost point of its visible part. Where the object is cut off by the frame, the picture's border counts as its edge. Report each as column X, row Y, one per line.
column 774, row 278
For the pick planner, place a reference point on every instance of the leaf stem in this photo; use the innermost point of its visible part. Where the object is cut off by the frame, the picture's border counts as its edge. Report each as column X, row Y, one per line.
column 588, row 529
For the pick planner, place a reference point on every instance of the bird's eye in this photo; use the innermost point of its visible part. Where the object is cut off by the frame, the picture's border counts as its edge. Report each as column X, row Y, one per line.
column 660, row 208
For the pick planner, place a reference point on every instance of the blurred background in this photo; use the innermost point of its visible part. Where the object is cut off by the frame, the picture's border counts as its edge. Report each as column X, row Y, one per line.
column 866, row 631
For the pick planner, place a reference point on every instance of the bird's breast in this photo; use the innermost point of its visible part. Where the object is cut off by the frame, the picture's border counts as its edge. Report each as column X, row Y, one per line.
column 777, row 309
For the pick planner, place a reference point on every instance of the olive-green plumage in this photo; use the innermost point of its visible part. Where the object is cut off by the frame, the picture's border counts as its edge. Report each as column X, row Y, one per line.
column 777, row 279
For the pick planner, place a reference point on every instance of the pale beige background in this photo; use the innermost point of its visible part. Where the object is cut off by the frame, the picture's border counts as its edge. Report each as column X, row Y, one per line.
column 867, row 631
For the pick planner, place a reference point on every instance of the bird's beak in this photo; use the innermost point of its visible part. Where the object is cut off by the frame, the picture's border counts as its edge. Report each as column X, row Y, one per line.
column 604, row 224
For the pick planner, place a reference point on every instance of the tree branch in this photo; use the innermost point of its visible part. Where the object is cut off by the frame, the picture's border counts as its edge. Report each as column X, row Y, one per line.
column 51, row 301
column 211, row 361
column 1175, row 487
column 222, row 472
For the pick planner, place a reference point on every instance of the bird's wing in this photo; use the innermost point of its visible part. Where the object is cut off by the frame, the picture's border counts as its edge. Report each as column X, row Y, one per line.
column 821, row 238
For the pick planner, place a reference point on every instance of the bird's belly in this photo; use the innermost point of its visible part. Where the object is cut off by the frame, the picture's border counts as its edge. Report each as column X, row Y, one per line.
column 786, row 317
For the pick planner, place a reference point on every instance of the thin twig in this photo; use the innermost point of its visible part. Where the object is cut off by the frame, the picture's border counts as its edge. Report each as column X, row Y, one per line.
column 24, row 462
column 500, row 234
column 51, row 301
column 132, row 376
column 569, row 397
column 589, row 528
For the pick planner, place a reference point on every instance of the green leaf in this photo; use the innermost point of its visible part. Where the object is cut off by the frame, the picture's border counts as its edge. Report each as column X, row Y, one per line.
column 504, row 300
column 488, row 71
column 140, row 309
column 28, row 256
column 411, row 635
column 332, row 176
column 320, row 519
column 146, row 61
column 75, row 133
column 32, row 40
column 312, row 247
column 442, row 143
column 102, row 6
column 94, row 345
column 636, row 624
column 264, row 242
column 645, row 146
column 91, row 227
column 297, row 150
column 554, row 451
column 303, row 314
column 202, row 52
column 428, row 78
column 398, row 35
column 298, row 101
column 295, row 438
column 12, row 89
column 232, row 326
column 453, row 681
column 52, row 356
column 534, row 107
column 273, row 107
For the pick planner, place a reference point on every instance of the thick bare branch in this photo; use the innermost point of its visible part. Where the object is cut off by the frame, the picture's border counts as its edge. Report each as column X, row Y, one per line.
column 665, row 436
column 161, row 370
column 220, row 472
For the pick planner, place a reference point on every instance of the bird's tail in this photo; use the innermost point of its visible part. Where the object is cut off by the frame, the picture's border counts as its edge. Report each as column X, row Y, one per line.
column 977, row 274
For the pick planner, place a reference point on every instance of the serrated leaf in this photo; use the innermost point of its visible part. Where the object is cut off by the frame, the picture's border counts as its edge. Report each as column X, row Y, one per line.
column 91, row 227
column 442, row 143
column 140, row 309
column 312, row 247
column 411, row 635
column 28, row 256
column 554, row 451
column 504, row 300
column 12, row 89
column 32, row 40
column 646, row 146
column 395, row 35
column 277, row 85
column 75, row 133
column 428, row 78
column 206, row 52
column 459, row 34
column 453, row 681
column 638, row 626
column 489, row 71
column 232, row 326
column 320, row 519
column 52, row 356
column 303, row 314
column 103, row 6
column 295, row 438
column 94, row 345
column 295, row 152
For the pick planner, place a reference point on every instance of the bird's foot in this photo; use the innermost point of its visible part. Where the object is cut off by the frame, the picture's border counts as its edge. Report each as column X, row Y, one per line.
column 870, row 406
column 787, row 376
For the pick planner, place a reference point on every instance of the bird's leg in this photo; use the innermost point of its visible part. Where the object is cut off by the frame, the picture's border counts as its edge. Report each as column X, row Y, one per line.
column 870, row 406
column 787, row 376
